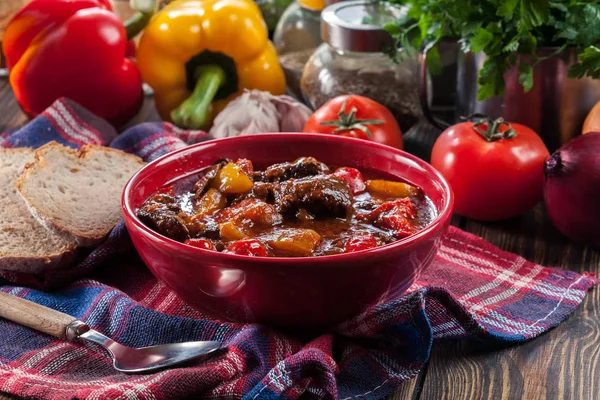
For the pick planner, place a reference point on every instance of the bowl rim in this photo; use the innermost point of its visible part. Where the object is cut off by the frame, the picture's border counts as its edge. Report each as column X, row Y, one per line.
column 443, row 216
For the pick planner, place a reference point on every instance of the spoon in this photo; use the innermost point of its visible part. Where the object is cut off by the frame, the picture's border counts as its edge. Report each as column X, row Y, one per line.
column 125, row 359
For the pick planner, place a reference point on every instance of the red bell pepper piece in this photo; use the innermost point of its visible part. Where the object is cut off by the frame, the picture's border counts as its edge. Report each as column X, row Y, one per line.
column 393, row 215
column 353, row 178
column 201, row 244
column 247, row 247
column 362, row 242
column 74, row 49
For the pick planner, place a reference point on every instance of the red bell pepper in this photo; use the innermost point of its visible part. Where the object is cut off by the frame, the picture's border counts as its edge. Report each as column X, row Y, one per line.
column 74, row 49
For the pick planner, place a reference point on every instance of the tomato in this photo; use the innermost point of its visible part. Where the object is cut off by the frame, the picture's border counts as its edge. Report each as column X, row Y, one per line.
column 201, row 244
column 361, row 242
column 494, row 168
column 247, row 247
column 358, row 117
column 353, row 178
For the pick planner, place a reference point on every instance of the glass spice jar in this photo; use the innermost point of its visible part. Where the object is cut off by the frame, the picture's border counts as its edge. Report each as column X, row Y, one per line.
column 351, row 61
column 297, row 35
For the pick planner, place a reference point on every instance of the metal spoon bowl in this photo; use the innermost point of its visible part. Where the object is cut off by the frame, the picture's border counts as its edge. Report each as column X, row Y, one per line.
column 125, row 359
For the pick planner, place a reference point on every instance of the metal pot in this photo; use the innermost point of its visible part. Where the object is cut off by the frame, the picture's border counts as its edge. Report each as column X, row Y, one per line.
column 555, row 108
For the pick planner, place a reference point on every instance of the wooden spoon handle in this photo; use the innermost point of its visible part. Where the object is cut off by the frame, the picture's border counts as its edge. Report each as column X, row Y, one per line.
column 34, row 316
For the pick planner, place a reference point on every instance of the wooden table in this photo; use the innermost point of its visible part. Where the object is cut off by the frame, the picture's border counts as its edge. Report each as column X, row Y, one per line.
column 561, row 364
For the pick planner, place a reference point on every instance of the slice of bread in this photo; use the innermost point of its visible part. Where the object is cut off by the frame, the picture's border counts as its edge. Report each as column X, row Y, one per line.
column 25, row 245
column 78, row 192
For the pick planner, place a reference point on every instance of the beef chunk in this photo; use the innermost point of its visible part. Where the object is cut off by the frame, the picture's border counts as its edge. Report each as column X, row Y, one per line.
column 254, row 210
column 163, row 215
column 301, row 168
column 261, row 190
column 211, row 172
column 321, row 196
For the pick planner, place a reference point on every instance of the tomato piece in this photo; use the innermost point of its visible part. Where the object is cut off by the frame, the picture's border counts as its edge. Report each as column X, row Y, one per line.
column 352, row 177
column 362, row 242
column 393, row 215
column 247, row 247
column 492, row 178
column 201, row 244
column 358, row 117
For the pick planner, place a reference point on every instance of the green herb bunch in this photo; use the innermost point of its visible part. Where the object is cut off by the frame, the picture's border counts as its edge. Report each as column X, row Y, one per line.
column 509, row 32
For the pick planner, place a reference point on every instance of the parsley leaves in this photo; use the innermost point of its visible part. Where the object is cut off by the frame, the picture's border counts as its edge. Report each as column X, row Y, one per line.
column 503, row 28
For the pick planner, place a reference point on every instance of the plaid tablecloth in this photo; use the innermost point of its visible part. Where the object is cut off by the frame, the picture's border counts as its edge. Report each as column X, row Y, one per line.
column 472, row 291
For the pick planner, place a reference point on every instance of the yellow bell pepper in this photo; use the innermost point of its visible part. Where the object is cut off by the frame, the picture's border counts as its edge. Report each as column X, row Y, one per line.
column 198, row 55
column 232, row 180
column 391, row 188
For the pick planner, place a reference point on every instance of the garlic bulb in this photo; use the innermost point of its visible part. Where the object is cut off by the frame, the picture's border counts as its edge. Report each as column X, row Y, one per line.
column 256, row 111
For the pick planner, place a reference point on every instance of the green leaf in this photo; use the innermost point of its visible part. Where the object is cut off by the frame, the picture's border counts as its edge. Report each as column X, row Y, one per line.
column 512, row 46
column 587, row 23
column 393, row 29
column 534, row 12
column 559, row 6
column 528, row 44
column 507, row 8
column 526, row 76
column 481, row 39
column 588, row 65
column 569, row 33
column 491, row 78
column 434, row 61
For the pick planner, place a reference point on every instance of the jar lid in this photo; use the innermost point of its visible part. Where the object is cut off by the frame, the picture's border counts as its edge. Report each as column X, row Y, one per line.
column 357, row 25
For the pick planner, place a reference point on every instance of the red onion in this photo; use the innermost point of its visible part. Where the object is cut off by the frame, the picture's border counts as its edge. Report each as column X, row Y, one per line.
column 572, row 188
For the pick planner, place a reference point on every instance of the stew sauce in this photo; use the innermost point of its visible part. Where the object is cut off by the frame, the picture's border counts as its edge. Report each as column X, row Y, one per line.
column 293, row 209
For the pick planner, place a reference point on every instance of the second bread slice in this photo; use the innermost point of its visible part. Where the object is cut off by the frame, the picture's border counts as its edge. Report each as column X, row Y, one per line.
column 78, row 192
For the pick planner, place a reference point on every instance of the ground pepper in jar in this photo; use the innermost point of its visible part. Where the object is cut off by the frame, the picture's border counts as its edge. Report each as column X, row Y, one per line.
column 296, row 36
column 293, row 64
column 351, row 61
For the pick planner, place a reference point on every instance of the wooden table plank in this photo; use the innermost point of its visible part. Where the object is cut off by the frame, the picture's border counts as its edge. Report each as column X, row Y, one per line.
column 11, row 115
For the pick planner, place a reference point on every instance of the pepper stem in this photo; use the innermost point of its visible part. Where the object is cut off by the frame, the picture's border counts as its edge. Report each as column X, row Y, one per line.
column 136, row 23
column 193, row 113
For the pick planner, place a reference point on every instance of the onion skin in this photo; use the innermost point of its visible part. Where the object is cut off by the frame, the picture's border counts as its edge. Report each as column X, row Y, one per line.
column 572, row 189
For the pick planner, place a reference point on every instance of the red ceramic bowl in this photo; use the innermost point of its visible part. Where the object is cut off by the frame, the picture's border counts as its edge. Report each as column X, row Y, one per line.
column 312, row 292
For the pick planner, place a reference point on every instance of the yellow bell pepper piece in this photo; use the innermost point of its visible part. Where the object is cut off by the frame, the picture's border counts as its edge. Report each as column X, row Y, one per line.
column 230, row 231
column 300, row 242
column 232, row 180
column 198, row 55
column 391, row 188
column 210, row 202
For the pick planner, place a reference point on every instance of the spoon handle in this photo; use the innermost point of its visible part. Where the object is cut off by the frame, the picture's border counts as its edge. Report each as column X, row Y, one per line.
column 34, row 316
